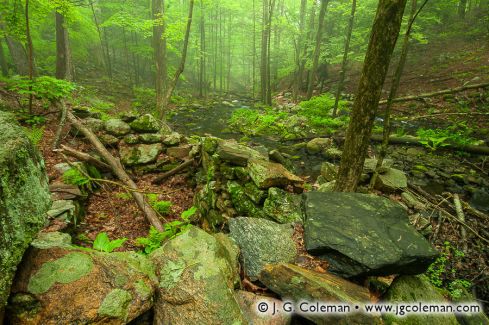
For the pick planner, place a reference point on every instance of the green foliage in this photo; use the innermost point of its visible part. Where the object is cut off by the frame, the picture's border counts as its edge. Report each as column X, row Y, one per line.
column 442, row 274
column 75, row 177
column 162, row 207
column 43, row 88
column 144, row 99
column 458, row 134
column 155, row 238
column 104, row 244
column 309, row 117
column 34, row 134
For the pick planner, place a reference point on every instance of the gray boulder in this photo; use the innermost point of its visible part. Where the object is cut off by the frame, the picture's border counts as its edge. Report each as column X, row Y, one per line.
column 363, row 234
column 370, row 164
column 318, row 145
column 267, row 174
column 94, row 124
column 117, row 127
column 24, row 199
column 391, row 180
column 140, row 154
column 262, row 242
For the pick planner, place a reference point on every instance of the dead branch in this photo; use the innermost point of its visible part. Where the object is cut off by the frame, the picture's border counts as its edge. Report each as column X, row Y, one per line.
column 436, row 93
column 461, row 216
column 62, row 122
column 119, row 171
column 84, row 157
column 182, row 166
column 439, row 114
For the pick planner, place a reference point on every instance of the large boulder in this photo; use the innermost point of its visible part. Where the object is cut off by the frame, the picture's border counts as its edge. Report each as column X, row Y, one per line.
column 24, row 198
column 415, row 289
column 363, row 234
column 267, row 174
column 298, row 284
column 146, row 124
column 60, row 284
column 262, row 242
column 140, row 154
column 117, row 127
column 196, row 281
column 282, row 206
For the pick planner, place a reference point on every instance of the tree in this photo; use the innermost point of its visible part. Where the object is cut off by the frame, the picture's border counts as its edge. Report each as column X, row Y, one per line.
column 30, row 51
column 317, row 49
column 385, row 31
column 3, row 61
column 159, row 46
column 299, row 44
column 345, row 57
column 393, row 90
column 173, row 83
column 462, row 5
column 64, row 68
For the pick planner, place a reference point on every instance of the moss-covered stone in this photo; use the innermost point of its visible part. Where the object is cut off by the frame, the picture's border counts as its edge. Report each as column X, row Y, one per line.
column 140, row 154
column 282, row 206
column 151, row 138
column 254, row 193
column 196, row 282
column 266, row 174
column 413, row 289
column 24, row 198
column 66, row 269
column 241, row 202
column 145, row 124
column 117, row 127
column 115, row 304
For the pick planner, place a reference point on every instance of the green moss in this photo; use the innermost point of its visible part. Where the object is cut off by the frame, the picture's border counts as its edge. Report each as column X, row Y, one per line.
column 170, row 273
column 145, row 123
column 143, row 290
column 116, row 304
column 66, row 269
column 24, row 198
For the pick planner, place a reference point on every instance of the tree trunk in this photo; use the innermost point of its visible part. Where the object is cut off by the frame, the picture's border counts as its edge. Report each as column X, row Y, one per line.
column 202, row 54
column 30, row 51
column 3, row 61
column 383, row 38
column 159, row 54
column 393, row 91
column 253, row 72
column 317, row 49
column 264, row 50
column 345, row 57
column 299, row 45
column 63, row 55
column 462, row 5
column 19, row 56
column 105, row 56
column 181, row 67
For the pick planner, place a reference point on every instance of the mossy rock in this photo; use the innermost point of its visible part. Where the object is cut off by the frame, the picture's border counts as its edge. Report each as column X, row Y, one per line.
column 140, row 154
column 241, row 202
column 24, row 198
column 72, row 285
column 196, row 281
column 117, row 127
column 145, row 124
column 283, row 207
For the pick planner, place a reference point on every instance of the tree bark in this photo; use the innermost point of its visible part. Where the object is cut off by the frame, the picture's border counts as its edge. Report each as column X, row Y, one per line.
column 383, row 38
column 30, row 51
column 105, row 56
column 317, row 49
column 119, row 171
column 19, row 56
column 181, row 67
column 63, row 54
column 393, row 91
column 3, row 60
column 159, row 54
column 299, row 45
column 462, row 5
column 345, row 57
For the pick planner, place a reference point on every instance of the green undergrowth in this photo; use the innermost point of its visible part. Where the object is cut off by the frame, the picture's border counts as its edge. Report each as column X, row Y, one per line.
column 309, row 117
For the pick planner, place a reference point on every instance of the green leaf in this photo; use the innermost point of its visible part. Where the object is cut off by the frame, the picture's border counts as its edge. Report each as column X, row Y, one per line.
column 101, row 242
column 188, row 213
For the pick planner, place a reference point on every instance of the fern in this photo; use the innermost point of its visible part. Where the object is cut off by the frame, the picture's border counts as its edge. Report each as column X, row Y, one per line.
column 162, row 207
column 104, row 244
column 34, row 134
column 73, row 176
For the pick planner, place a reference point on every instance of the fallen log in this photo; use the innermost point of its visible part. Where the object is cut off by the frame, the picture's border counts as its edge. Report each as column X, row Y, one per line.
column 436, row 93
column 483, row 150
column 84, row 157
column 182, row 166
column 61, row 125
column 119, row 171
